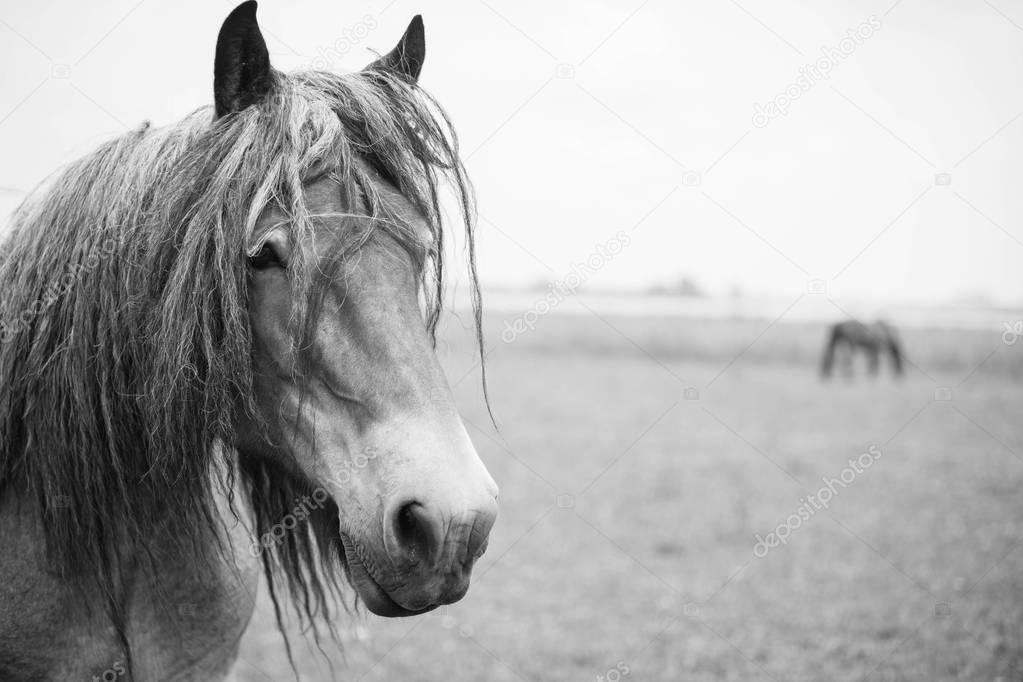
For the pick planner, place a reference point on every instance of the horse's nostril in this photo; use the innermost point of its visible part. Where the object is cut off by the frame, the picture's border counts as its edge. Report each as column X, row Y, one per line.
column 417, row 531
column 406, row 520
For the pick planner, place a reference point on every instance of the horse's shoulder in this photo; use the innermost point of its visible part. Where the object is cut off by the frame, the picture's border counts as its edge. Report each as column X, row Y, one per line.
column 182, row 621
column 47, row 628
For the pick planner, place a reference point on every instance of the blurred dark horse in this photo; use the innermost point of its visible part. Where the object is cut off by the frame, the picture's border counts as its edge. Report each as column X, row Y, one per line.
column 217, row 360
column 846, row 338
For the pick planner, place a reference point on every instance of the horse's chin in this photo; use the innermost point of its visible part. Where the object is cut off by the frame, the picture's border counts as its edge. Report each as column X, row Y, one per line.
column 373, row 596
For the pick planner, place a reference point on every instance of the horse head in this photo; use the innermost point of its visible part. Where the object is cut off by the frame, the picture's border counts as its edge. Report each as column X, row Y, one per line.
column 349, row 396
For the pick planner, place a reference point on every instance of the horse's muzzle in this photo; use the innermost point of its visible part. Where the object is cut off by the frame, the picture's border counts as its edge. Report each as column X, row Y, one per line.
column 429, row 554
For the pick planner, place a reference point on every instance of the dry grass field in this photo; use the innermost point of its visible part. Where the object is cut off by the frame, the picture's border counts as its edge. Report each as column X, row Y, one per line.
column 630, row 508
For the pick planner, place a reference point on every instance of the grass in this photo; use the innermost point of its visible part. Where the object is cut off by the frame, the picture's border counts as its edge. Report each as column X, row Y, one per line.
column 628, row 515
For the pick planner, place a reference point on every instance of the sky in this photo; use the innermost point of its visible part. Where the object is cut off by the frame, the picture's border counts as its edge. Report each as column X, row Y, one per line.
column 748, row 146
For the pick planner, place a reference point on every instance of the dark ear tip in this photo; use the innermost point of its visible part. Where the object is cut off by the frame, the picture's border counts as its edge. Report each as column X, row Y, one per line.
column 246, row 9
column 240, row 18
column 416, row 29
column 415, row 34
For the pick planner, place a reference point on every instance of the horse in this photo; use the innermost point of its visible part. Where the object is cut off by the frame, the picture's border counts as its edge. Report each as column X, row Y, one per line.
column 217, row 353
column 873, row 339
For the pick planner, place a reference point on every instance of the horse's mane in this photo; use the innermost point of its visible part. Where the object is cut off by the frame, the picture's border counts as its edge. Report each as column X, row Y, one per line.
column 124, row 330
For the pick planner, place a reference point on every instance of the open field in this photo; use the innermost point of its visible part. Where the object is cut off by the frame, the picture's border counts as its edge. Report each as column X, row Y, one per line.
column 629, row 510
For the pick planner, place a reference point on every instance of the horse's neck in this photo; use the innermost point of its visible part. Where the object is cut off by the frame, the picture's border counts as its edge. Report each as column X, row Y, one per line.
column 204, row 608
column 182, row 621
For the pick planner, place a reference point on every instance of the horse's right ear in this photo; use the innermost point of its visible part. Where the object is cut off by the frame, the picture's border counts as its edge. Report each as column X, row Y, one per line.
column 241, row 69
column 407, row 56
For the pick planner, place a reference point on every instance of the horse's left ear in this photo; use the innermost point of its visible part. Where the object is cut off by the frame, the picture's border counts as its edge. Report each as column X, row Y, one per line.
column 408, row 55
column 241, row 69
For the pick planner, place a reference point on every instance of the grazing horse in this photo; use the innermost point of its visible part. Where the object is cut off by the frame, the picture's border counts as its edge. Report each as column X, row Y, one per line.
column 847, row 337
column 217, row 360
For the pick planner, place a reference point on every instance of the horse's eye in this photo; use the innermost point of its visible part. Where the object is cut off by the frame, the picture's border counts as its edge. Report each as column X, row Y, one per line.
column 265, row 258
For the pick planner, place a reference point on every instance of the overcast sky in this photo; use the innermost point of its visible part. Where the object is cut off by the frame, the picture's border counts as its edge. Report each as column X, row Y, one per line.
column 895, row 177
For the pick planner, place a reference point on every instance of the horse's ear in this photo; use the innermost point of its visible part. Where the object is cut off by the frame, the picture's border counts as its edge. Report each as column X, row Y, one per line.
column 408, row 55
column 241, row 69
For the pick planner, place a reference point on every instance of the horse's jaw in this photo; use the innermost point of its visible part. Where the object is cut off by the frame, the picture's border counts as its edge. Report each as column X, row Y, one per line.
column 369, row 590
